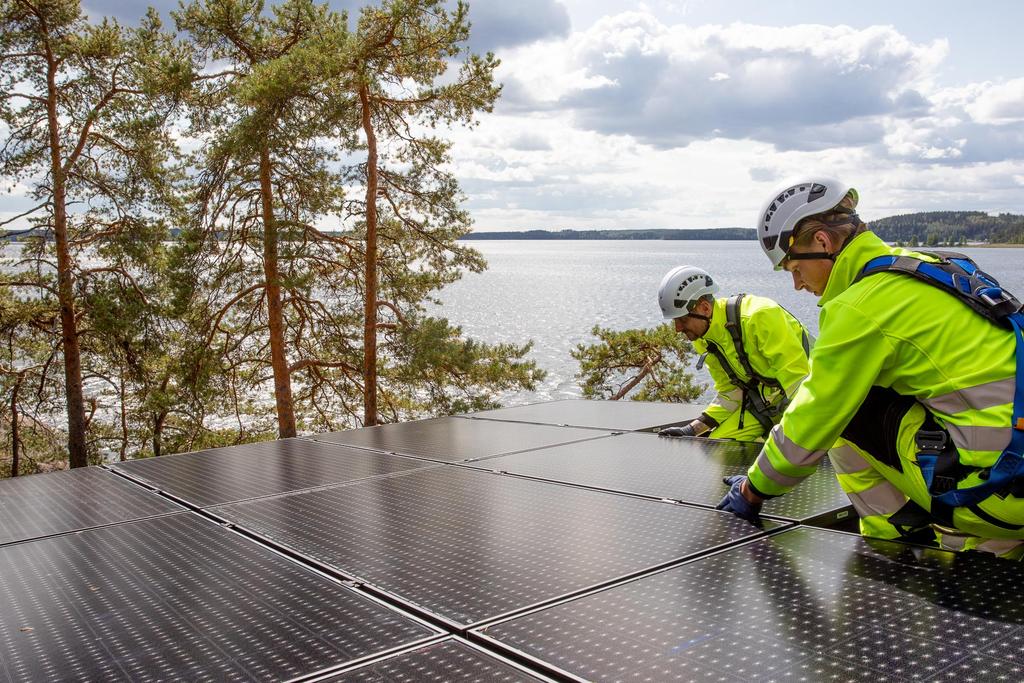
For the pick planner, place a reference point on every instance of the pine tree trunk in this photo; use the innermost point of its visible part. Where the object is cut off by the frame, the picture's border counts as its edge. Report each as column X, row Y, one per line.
column 15, row 434
column 65, row 282
column 123, row 454
column 158, row 432
column 370, row 303
column 275, row 315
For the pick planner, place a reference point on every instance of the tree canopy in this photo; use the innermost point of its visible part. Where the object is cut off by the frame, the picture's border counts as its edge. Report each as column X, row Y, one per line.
column 299, row 158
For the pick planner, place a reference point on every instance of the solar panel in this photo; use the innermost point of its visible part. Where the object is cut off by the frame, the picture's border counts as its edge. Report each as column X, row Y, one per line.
column 179, row 598
column 450, row 661
column 614, row 415
column 58, row 502
column 223, row 475
column 454, row 439
column 467, row 545
column 805, row 604
column 689, row 470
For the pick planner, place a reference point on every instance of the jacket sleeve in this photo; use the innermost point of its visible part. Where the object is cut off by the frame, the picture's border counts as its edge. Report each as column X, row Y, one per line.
column 778, row 338
column 727, row 397
column 846, row 361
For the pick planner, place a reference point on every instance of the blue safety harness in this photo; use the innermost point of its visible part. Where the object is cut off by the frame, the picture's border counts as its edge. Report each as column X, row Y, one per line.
column 961, row 277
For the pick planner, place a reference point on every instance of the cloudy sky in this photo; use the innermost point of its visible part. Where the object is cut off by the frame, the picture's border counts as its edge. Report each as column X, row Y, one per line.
column 687, row 113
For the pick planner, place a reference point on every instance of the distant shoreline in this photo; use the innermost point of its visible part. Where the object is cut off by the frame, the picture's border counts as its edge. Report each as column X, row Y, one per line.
column 745, row 234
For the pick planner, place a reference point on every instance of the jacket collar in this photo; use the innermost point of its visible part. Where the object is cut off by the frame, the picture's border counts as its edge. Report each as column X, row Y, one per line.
column 851, row 261
column 717, row 332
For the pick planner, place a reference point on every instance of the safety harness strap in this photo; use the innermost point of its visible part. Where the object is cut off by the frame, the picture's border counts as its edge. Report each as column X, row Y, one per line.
column 958, row 275
column 751, row 396
column 732, row 324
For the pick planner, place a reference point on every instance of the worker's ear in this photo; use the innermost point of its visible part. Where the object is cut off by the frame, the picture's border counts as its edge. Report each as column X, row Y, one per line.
column 825, row 241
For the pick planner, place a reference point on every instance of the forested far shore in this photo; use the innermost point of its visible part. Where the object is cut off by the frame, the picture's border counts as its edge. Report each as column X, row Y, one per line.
column 924, row 228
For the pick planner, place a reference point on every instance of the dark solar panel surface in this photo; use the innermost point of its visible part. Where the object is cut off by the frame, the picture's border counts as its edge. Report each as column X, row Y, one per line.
column 445, row 662
column 454, row 439
column 806, row 605
column 224, row 475
column 178, row 598
column 689, row 470
column 470, row 545
column 46, row 504
column 614, row 415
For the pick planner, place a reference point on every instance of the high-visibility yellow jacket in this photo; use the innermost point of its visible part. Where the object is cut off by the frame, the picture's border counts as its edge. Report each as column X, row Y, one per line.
column 892, row 330
column 773, row 341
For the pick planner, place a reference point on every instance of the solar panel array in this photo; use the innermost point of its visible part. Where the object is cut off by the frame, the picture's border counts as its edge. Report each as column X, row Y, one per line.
column 616, row 415
column 687, row 470
column 513, row 545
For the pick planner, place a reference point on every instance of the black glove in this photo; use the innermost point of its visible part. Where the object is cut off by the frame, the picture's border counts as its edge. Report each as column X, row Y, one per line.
column 736, row 503
column 678, row 431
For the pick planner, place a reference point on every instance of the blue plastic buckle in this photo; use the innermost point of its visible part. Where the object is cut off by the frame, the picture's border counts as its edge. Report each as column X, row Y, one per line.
column 993, row 296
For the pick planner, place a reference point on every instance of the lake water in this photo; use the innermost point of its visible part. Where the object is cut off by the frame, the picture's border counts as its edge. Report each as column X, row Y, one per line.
column 554, row 292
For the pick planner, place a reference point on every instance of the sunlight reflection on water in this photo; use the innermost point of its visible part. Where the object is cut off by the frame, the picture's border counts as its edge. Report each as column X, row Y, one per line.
column 554, row 292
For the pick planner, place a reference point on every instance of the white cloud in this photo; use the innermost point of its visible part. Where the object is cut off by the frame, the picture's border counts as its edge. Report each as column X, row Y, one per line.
column 631, row 74
column 997, row 103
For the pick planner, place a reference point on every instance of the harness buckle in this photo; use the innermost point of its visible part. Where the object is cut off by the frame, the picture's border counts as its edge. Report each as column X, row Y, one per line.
column 931, row 442
column 993, row 296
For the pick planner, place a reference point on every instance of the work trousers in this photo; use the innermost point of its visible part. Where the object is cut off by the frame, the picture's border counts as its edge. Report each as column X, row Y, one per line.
column 876, row 463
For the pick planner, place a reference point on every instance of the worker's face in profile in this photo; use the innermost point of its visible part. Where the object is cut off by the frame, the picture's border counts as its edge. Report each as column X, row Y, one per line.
column 811, row 274
column 694, row 328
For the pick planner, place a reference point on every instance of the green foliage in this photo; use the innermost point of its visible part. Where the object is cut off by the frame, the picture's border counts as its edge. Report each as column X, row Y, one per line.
column 175, row 337
column 27, row 352
column 950, row 228
column 646, row 365
column 87, row 107
column 430, row 368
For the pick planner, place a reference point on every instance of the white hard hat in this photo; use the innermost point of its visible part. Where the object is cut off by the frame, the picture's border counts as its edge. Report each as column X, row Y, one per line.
column 791, row 203
column 682, row 286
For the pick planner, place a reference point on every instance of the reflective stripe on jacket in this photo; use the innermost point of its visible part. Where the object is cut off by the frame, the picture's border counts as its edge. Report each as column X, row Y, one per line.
column 772, row 338
column 894, row 331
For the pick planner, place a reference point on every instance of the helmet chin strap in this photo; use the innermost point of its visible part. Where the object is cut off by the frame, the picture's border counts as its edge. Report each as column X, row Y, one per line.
column 813, row 256
column 705, row 318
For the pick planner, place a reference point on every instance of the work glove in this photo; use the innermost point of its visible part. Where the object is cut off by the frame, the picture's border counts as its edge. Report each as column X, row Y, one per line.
column 678, row 431
column 737, row 504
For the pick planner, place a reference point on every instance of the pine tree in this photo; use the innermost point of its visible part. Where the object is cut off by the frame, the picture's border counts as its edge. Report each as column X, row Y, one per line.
column 264, row 182
column 400, row 71
column 645, row 364
column 87, row 108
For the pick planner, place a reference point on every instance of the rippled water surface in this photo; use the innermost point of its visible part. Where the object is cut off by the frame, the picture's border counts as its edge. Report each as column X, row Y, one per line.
column 554, row 292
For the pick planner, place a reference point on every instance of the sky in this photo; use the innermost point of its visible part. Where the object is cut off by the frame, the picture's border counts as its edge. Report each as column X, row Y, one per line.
column 689, row 113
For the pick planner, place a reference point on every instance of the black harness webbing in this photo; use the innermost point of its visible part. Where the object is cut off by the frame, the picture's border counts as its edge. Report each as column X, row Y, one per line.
column 752, row 389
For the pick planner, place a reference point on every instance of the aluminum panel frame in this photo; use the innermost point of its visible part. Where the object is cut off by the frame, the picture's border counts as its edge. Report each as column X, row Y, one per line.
column 224, row 475
column 613, row 415
column 40, row 505
column 454, row 439
column 689, row 470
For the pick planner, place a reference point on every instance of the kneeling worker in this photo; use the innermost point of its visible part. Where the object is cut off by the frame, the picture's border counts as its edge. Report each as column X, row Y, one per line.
column 756, row 353
column 919, row 365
